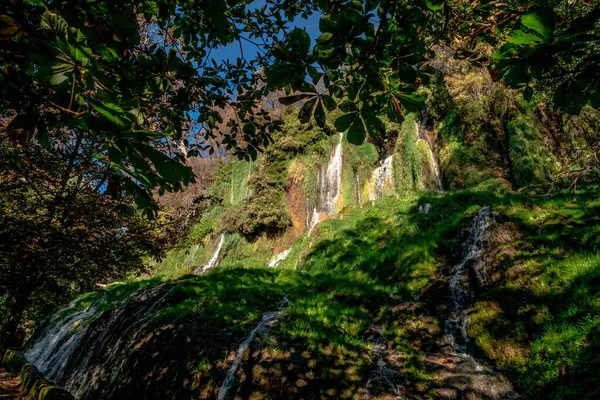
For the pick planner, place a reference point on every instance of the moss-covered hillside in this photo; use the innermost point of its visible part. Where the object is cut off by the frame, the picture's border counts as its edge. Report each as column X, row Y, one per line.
column 373, row 275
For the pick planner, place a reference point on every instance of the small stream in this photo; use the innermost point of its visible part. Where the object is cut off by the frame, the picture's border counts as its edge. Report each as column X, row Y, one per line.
column 460, row 285
column 382, row 177
column 214, row 260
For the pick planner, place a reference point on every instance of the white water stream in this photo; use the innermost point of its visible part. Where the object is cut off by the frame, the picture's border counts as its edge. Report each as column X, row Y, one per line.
column 59, row 339
column 329, row 184
column 214, row 260
column 461, row 291
column 435, row 169
column 334, row 179
column 279, row 258
column 382, row 176
column 89, row 348
column 267, row 320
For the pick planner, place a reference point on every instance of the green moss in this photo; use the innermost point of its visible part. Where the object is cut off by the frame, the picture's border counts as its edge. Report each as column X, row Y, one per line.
column 529, row 156
column 241, row 171
column 241, row 253
column 542, row 320
column 406, row 164
column 34, row 386
column 359, row 162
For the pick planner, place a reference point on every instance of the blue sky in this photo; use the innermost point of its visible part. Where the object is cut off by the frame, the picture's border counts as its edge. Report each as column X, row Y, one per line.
column 232, row 51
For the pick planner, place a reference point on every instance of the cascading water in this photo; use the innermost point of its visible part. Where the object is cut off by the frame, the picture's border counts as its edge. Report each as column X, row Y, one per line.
column 278, row 259
column 88, row 349
column 384, row 378
column 60, row 338
column 435, row 170
column 329, row 183
column 214, row 259
column 313, row 218
column 382, row 176
column 267, row 320
column 461, row 292
column 333, row 179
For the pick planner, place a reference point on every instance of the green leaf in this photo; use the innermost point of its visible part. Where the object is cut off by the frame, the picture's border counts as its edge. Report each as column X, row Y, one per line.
column 343, row 122
column 325, row 24
column 287, row 100
column 306, row 111
column 54, row 23
column 325, row 38
column 411, row 102
column 112, row 113
column 169, row 169
column 357, row 132
column 374, row 124
column 320, row 114
column 528, row 93
column 514, row 75
column 55, row 74
column 329, row 102
column 434, row 5
column 249, row 129
column 407, row 73
column 523, row 38
column 348, row 106
column 253, row 153
column 299, row 41
column 540, row 22
column 107, row 53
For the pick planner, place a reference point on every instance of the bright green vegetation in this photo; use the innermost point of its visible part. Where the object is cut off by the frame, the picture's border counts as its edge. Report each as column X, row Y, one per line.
column 538, row 318
column 541, row 321
column 407, row 164
column 96, row 99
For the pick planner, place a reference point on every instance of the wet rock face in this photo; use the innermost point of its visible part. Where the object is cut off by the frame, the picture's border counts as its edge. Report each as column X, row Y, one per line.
column 115, row 354
column 298, row 210
column 385, row 379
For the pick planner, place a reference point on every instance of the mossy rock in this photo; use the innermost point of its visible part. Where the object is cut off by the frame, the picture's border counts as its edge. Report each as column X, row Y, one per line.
column 33, row 383
column 13, row 360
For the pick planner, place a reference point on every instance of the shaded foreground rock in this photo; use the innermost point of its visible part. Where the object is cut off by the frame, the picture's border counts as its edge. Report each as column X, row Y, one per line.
column 10, row 386
column 29, row 383
column 462, row 377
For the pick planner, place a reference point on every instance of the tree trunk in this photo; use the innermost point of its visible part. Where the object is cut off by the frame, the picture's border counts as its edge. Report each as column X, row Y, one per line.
column 8, row 329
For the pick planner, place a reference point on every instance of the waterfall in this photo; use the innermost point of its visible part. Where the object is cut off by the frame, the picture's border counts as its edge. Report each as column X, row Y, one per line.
column 267, row 320
column 382, row 176
column 279, row 258
column 88, row 349
column 329, row 184
column 461, row 292
column 213, row 260
column 334, row 179
column 313, row 218
column 59, row 339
